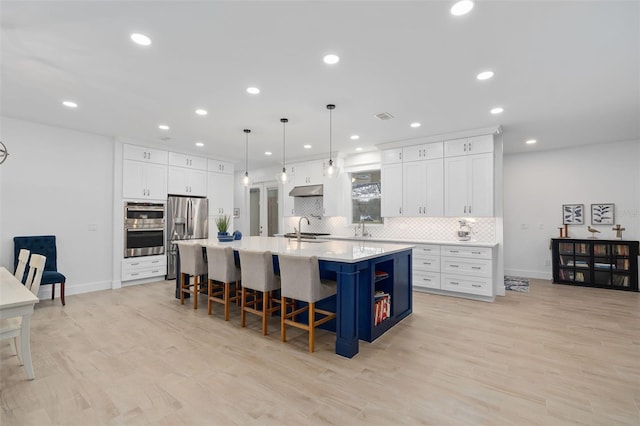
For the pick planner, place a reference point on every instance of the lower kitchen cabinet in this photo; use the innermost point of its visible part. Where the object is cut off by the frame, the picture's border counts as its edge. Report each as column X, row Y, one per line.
column 137, row 268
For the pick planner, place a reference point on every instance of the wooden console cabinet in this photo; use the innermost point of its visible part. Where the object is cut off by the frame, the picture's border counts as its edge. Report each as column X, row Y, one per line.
column 595, row 263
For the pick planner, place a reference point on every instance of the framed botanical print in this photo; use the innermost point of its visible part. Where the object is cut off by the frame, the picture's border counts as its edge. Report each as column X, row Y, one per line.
column 573, row 214
column 602, row 214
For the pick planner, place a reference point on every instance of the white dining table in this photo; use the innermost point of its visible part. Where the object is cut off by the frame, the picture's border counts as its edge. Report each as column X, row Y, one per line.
column 17, row 301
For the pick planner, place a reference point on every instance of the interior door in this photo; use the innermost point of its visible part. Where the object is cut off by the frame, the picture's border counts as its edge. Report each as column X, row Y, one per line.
column 263, row 209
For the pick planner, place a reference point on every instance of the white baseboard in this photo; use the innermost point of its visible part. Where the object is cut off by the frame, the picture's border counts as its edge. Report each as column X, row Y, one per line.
column 71, row 289
column 541, row 275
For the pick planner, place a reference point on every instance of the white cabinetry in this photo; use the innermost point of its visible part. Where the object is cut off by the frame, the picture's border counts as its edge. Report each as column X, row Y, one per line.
column 390, row 188
column 144, row 173
column 392, row 156
column 467, row 270
column 188, row 161
column 220, row 166
column 467, row 146
column 426, row 266
column 308, row 173
column 288, row 202
column 468, row 185
column 220, row 194
column 184, row 181
column 427, row 151
column 136, row 268
column 335, row 190
column 423, row 193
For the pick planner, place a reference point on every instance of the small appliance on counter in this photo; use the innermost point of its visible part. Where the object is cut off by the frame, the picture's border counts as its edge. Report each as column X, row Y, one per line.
column 464, row 233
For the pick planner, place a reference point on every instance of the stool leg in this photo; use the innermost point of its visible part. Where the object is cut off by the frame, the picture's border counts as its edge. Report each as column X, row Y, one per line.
column 265, row 294
column 226, row 301
column 209, row 294
column 283, row 314
column 53, row 291
column 312, row 326
column 182, row 289
column 196, row 285
column 243, row 303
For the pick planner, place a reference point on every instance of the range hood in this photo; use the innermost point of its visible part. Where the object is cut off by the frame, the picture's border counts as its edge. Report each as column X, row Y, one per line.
column 306, row 191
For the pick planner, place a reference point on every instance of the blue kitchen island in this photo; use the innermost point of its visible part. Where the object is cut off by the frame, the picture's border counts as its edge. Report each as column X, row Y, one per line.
column 361, row 269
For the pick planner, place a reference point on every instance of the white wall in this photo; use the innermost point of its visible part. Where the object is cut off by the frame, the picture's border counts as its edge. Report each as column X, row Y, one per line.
column 60, row 182
column 537, row 184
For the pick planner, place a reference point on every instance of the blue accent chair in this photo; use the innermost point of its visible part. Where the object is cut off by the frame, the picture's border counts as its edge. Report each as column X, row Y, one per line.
column 46, row 246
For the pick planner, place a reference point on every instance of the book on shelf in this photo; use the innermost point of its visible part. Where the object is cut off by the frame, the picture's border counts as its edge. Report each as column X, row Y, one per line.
column 579, row 276
column 621, row 250
column 382, row 308
column 380, row 275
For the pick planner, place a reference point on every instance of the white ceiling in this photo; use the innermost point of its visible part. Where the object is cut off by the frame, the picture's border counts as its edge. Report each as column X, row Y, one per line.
column 567, row 73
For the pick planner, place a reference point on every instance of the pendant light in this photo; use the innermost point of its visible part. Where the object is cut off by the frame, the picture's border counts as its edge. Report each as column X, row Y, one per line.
column 331, row 170
column 245, row 180
column 283, row 175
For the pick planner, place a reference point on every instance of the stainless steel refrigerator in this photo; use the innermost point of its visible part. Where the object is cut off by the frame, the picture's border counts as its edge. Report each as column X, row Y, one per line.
column 187, row 219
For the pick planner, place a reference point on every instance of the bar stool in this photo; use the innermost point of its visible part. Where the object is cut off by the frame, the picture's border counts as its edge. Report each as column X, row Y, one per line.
column 300, row 280
column 258, row 283
column 192, row 262
column 223, row 269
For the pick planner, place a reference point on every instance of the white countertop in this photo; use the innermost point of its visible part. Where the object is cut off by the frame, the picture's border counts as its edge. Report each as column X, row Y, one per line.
column 331, row 250
column 469, row 243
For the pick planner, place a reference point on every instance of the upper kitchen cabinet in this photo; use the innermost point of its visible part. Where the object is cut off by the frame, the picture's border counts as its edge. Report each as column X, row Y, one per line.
column 468, row 146
column 144, row 173
column 335, row 191
column 144, row 154
column 288, row 202
column 391, row 190
column 220, row 188
column 188, row 161
column 392, row 156
column 218, row 166
column 468, row 185
column 308, row 173
column 427, row 151
column 423, row 188
column 185, row 181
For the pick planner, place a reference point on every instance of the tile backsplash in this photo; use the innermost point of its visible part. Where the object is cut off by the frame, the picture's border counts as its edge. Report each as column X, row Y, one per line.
column 402, row 228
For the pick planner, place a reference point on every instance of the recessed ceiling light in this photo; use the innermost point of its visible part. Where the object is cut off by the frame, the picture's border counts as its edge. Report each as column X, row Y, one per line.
column 140, row 39
column 201, row 112
column 485, row 75
column 416, row 124
column 359, row 149
column 462, row 7
column 268, row 153
column 70, row 104
column 497, row 110
column 531, row 141
column 355, row 137
column 163, row 127
column 253, row 90
column 200, row 144
column 307, row 146
column 331, row 59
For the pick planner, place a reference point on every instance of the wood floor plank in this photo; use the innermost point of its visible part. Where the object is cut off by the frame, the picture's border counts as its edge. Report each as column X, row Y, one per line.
column 555, row 355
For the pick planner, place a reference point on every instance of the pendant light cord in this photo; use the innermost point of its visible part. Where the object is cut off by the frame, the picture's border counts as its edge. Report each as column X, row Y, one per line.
column 284, row 125
column 331, row 107
column 246, row 166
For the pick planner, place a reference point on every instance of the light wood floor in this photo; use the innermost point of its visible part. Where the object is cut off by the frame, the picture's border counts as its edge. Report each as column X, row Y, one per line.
column 556, row 355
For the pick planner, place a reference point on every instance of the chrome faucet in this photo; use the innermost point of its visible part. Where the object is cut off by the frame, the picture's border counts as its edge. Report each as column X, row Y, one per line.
column 364, row 231
column 300, row 225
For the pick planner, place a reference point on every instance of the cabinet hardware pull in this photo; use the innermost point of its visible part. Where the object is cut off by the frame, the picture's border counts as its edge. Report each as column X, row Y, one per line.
column 155, row 261
column 134, row 273
column 426, row 279
column 476, row 252
column 454, row 283
column 476, row 267
column 135, row 264
column 426, row 263
column 465, row 209
column 454, row 266
column 465, row 147
column 469, row 209
column 155, row 272
column 454, row 251
column 149, row 156
column 469, row 146
column 476, row 285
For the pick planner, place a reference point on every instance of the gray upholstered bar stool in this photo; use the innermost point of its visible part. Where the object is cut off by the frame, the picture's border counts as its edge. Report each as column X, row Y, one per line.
column 300, row 280
column 258, row 284
column 222, row 269
column 192, row 263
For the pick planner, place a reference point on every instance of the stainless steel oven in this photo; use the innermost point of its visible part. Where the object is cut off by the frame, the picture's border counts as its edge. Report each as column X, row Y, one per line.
column 144, row 229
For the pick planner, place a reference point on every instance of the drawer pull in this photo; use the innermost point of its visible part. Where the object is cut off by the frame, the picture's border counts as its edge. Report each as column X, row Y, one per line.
column 454, row 283
column 476, row 285
column 133, row 274
column 426, row 279
column 454, row 251
column 454, row 266
column 476, row 252
column 155, row 261
column 476, row 267
column 155, row 272
column 426, row 263
column 135, row 264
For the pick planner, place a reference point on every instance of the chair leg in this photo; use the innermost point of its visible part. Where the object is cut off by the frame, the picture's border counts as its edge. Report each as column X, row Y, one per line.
column 182, row 289
column 53, row 291
column 226, row 300
column 196, row 290
column 312, row 326
column 61, row 292
column 209, row 293
column 243, row 304
column 283, row 314
column 266, row 295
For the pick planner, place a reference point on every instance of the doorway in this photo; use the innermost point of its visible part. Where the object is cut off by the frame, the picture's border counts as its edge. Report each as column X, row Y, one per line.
column 263, row 209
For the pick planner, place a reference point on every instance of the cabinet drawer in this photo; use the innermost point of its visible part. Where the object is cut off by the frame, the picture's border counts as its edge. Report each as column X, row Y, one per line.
column 137, row 274
column 473, row 267
column 146, row 262
column 426, row 263
column 427, row 249
column 461, row 284
column 426, row 279
column 462, row 251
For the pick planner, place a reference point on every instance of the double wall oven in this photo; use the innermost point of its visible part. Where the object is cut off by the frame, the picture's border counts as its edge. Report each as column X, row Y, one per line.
column 144, row 229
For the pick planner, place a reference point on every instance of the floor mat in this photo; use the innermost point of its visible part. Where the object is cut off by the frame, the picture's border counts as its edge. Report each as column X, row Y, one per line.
column 516, row 284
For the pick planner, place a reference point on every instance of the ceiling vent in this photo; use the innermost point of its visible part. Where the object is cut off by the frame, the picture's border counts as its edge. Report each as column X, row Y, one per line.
column 384, row 116
column 165, row 138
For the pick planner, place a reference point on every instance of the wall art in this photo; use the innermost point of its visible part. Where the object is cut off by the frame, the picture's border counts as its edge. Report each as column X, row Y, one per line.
column 602, row 214
column 573, row 214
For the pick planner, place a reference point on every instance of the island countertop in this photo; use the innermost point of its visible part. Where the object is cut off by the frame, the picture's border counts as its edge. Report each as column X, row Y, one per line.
column 330, row 250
